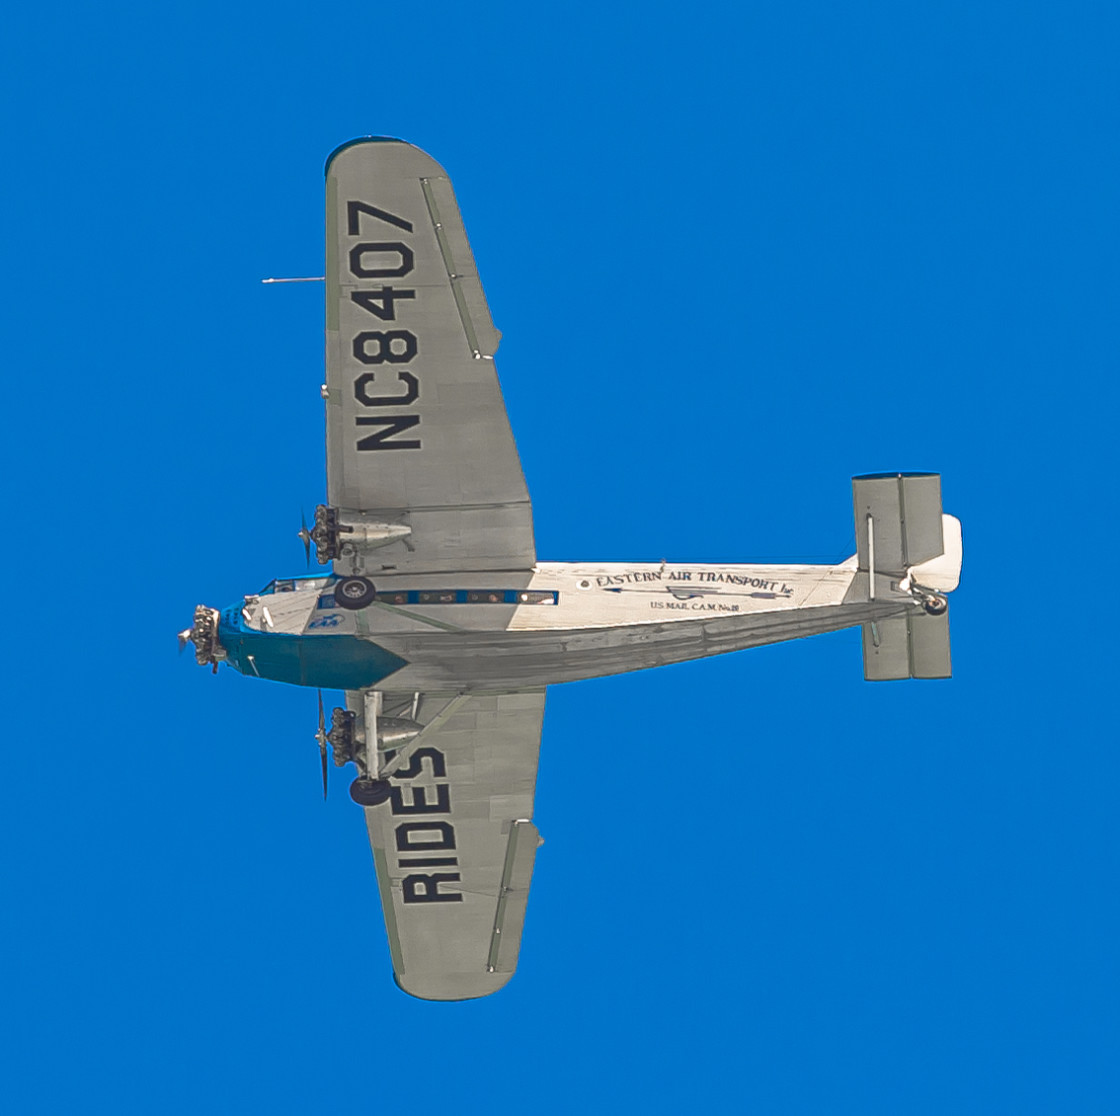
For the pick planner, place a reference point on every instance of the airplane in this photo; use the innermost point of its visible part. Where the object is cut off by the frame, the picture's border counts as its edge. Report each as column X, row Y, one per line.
column 434, row 616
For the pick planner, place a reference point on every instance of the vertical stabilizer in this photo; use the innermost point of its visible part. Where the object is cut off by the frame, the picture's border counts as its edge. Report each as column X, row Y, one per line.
column 905, row 543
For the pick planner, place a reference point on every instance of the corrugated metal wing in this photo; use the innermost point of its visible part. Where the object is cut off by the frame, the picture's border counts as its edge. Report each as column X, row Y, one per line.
column 416, row 426
column 454, row 847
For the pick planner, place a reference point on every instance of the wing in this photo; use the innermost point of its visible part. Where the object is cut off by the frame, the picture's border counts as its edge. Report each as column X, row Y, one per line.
column 454, row 846
column 417, row 434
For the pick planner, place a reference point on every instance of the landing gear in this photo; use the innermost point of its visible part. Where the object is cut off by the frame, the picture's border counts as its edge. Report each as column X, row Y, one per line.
column 373, row 742
column 935, row 605
column 365, row 791
column 353, row 592
column 369, row 792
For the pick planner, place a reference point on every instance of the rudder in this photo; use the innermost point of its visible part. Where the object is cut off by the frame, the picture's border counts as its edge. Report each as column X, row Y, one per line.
column 905, row 543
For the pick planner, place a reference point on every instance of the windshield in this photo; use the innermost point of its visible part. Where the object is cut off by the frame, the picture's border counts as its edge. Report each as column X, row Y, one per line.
column 291, row 584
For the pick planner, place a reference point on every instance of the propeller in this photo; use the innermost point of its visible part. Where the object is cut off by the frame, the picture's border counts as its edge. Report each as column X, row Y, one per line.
column 305, row 535
column 204, row 634
column 321, row 737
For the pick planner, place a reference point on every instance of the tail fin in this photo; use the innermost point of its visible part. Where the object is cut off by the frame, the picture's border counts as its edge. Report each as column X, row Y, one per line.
column 904, row 541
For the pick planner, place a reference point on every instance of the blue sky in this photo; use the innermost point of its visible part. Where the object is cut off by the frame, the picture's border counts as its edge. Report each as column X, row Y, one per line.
column 738, row 253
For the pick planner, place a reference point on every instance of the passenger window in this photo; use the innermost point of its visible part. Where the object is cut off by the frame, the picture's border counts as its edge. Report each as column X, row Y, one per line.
column 456, row 596
column 533, row 596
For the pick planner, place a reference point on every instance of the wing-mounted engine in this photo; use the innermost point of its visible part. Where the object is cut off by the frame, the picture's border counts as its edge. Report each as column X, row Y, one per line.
column 343, row 737
column 340, row 534
column 368, row 740
column 348, row 739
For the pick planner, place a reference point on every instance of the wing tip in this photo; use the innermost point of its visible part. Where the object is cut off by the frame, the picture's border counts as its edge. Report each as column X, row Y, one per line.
column 451, row 987
column 353, row 143
column 408, row 159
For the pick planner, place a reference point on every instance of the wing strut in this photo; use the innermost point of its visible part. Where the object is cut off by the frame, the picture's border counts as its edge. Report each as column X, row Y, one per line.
column 430, row 729
column 372, row 699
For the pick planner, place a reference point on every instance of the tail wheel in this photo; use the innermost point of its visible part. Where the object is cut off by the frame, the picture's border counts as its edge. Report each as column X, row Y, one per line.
column 935, row 606
column 353, row 592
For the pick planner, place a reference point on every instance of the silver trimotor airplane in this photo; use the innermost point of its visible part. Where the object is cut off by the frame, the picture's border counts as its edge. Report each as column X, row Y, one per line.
column 440, row 624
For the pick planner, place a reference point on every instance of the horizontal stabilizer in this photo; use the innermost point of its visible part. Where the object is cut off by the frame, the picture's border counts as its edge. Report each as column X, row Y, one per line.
column 907, row 647
column 898, row 520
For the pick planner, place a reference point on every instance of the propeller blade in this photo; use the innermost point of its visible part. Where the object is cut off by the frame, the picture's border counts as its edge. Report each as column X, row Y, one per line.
column 305, row 535
column 321, row 736
column 184, row 639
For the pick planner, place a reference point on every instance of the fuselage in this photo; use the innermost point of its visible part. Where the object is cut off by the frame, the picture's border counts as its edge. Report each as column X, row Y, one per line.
column 558, row 622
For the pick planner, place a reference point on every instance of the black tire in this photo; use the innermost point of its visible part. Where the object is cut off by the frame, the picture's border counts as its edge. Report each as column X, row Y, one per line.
column 353, row 592
column 369, row 792
column 935, row 606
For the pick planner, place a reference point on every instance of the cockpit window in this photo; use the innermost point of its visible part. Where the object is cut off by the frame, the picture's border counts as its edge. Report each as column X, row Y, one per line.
column 290, row 584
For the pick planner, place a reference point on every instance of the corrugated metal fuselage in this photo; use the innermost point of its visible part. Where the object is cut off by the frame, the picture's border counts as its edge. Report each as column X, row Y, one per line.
column 436, row 633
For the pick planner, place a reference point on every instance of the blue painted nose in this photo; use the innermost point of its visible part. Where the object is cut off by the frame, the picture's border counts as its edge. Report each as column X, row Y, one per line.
column 330, row 662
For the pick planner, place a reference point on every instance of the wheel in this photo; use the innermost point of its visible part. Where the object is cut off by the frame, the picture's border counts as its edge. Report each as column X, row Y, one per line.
column 353, row 592
column 369, row 792
column 935, row 606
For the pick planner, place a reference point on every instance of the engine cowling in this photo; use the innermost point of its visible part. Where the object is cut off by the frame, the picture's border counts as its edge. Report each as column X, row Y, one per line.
column 339, row 533
column 347, row 740
column 396, row 732
column 203, row 633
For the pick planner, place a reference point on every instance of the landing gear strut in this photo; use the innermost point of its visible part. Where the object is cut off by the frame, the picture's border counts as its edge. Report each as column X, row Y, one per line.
column 366, row 739
column 933, row 603
column 348, row 748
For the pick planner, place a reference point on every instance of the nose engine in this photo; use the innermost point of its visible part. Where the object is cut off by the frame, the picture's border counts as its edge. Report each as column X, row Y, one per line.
column 203, row 633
